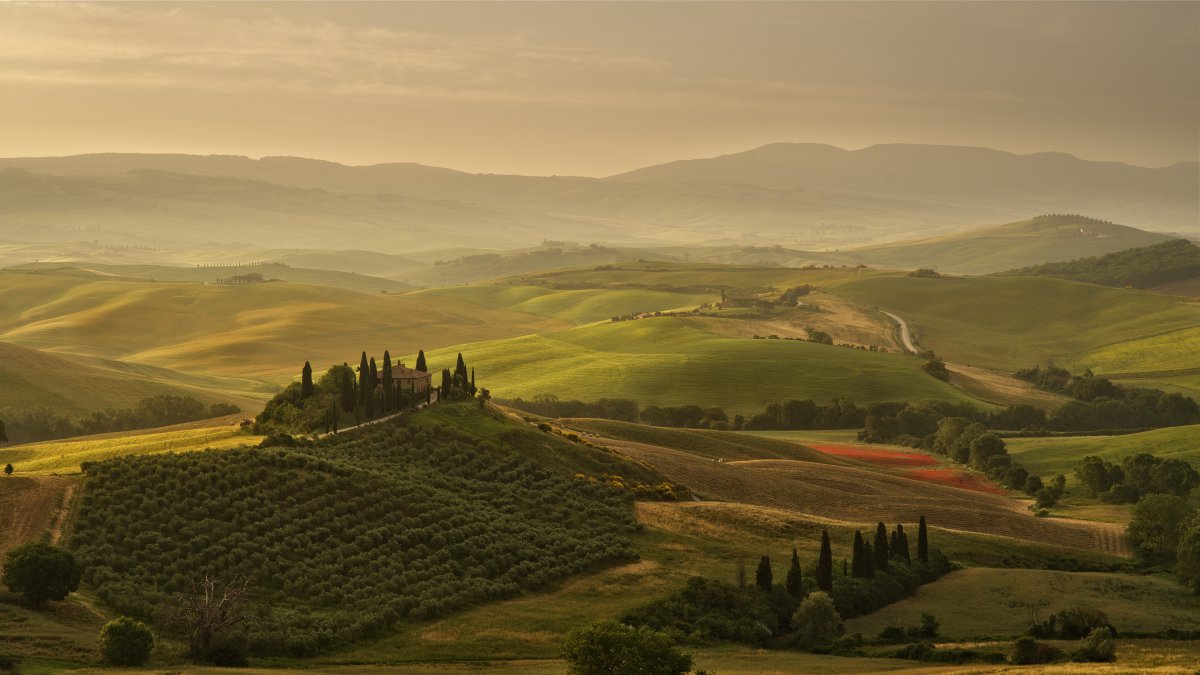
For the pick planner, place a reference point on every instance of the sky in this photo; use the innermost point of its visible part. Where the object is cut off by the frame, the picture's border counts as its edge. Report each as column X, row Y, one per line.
column 597, row 88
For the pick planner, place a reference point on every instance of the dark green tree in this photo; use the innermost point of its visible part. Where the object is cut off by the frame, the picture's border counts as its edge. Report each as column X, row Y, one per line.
column 306, row 382
column 858, row 558
column 473, row 389
column 893, row 547
column 922, row 541
column 41, row 572
column 902, row 540
column 446, row 391
column 8, row 469
column 421, row 361
column 364, row 389
column 795, row 578
column 461, row 377
column 868, row 560
column 881, row 547
column 126, row 642
column 347, row 389
column 611, row 648
column 763, row 577
column 373, row 378
column 389, row 389
column 825, row 564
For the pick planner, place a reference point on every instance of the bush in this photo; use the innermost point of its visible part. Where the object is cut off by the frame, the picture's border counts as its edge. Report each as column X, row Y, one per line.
column 126, row 642
column 1098, row 647
column 227, row 652
column 41, row 572
column 611, row 648
column 1028, row 651
column 817, row 622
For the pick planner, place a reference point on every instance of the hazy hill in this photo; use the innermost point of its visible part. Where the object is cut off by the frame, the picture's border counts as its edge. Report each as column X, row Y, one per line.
column 799, row 195
column 1027, row 242
column 1163, row 263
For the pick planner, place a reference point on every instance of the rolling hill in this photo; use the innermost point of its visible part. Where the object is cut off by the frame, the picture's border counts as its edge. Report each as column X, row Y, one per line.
column 1160, row 264
column 351, row 281
column 1029, row 242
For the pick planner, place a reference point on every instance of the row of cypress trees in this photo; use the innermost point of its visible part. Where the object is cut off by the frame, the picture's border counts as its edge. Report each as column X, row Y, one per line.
column 865, row 559
column 364, row 395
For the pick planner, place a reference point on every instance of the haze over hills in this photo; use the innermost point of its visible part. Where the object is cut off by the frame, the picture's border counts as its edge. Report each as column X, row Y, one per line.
column 804, row 195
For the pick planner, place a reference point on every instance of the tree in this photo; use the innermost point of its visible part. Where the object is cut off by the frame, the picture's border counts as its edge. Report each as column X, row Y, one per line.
column 364, row 389
column 983, row 448
column 868, row 560
column 608, row 647
column 1187, row 559
column 817, row 621
column 922, row 541
column 484, row 397
column 373, row 378
column 825, row 564
column 41, row 572
column 902, row 545
column 762, row 576
column 1158, row 524
column 209, row 609
column 306, row 382
column 126, row 642
column 8, row 469
column 421, row 361
column 795, row 578
column 389, row 390
column 460, row 375
column 1098, row 647
column 1097, row 475
column 881, row 547
column 858, row 567
column 444, row 393
column 347, row 389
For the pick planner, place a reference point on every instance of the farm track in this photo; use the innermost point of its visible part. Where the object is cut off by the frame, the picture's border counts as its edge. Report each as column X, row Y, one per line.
column 860, row 496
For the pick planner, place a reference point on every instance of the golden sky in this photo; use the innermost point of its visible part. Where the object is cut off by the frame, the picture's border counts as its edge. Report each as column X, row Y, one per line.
column 597, row 88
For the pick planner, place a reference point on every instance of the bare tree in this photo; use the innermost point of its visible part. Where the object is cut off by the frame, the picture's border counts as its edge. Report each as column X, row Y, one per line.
column 210, row 607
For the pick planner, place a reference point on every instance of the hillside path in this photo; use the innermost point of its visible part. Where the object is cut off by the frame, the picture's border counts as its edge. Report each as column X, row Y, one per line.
column 905, row 333
column 378, row 420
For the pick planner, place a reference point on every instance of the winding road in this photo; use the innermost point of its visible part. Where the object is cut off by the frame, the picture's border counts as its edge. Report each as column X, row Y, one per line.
column 905, row 333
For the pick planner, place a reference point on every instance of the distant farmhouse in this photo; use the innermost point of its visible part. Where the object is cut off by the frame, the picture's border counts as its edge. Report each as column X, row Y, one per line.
column 408, row 380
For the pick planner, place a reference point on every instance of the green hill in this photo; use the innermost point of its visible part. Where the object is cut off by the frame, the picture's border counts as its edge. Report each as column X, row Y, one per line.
column 210, row 275
column 668, row 361
column 1009, row 323
column 344, row 538
column 706, row 443
column 577, row 306
column 1049, row 456
column 1029, row 242
column 1165, row 263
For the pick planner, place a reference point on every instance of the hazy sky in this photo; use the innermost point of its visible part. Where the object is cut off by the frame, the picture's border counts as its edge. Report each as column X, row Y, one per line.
column 594, row 89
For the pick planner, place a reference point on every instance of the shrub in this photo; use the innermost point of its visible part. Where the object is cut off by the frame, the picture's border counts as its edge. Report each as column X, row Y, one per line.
column 1028, row 651
column 41, row 572
column 1098, row 647
column 611, row 648
column 126, row 642
column 817, row 622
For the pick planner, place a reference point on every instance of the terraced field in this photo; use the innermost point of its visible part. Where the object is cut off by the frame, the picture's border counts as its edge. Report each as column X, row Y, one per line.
column 855, row 495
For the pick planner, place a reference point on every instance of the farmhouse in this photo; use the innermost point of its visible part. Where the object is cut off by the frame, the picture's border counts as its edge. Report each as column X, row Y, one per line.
column 408, row 379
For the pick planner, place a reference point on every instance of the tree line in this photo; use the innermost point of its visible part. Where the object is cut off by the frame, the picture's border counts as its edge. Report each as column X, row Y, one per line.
column 25, row 425
column 1142, row 267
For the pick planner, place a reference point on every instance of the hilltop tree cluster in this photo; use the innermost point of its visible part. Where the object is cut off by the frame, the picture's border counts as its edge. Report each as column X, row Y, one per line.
column 1102, row 405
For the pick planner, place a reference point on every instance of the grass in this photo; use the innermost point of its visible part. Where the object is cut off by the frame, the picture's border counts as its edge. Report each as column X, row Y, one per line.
column 1050, row 456
column 65, row 456
column 664, row 361
column 321, row 277
column 658, row 274
column 1009, row 323
column 1002, row 601
column 1176, row 350
column 576, row 306
column 704, row 443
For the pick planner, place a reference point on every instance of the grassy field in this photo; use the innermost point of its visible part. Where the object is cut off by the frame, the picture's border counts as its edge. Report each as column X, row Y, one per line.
column 1009, row 323
column 33, row 507
column 1002, row 602
column 711, row 444
column 665, row 361
column 658, row 274
column 575, row 306
column 362, row 283
column 1176, row 350
column 65, row 456
column 1049, row 456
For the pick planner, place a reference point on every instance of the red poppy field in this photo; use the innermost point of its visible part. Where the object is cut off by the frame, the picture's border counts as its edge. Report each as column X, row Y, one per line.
column 955, row 478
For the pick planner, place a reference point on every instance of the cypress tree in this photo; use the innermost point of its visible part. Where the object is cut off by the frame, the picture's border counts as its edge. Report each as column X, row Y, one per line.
column 922, row 542
column 858, row 558
column 374, row 377
column 795, row 579
column 460, row 373
column 903, row 541
column 825, row 564
column 364, row 391
column 306, row 385
column 473, row 389
column 893, row 547
column 421, row 361
column 881, row 547
column 348, row 393
column 868, row 560
column 389, row 391
column 447, row 385
column 763, row 577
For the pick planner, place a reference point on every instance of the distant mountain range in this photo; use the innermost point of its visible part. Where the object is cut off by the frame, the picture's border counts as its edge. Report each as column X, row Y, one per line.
column 800, row 195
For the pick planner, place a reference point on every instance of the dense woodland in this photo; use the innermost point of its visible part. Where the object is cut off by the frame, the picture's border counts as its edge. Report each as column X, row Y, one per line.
column 1136, row 267
column 342, row 538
